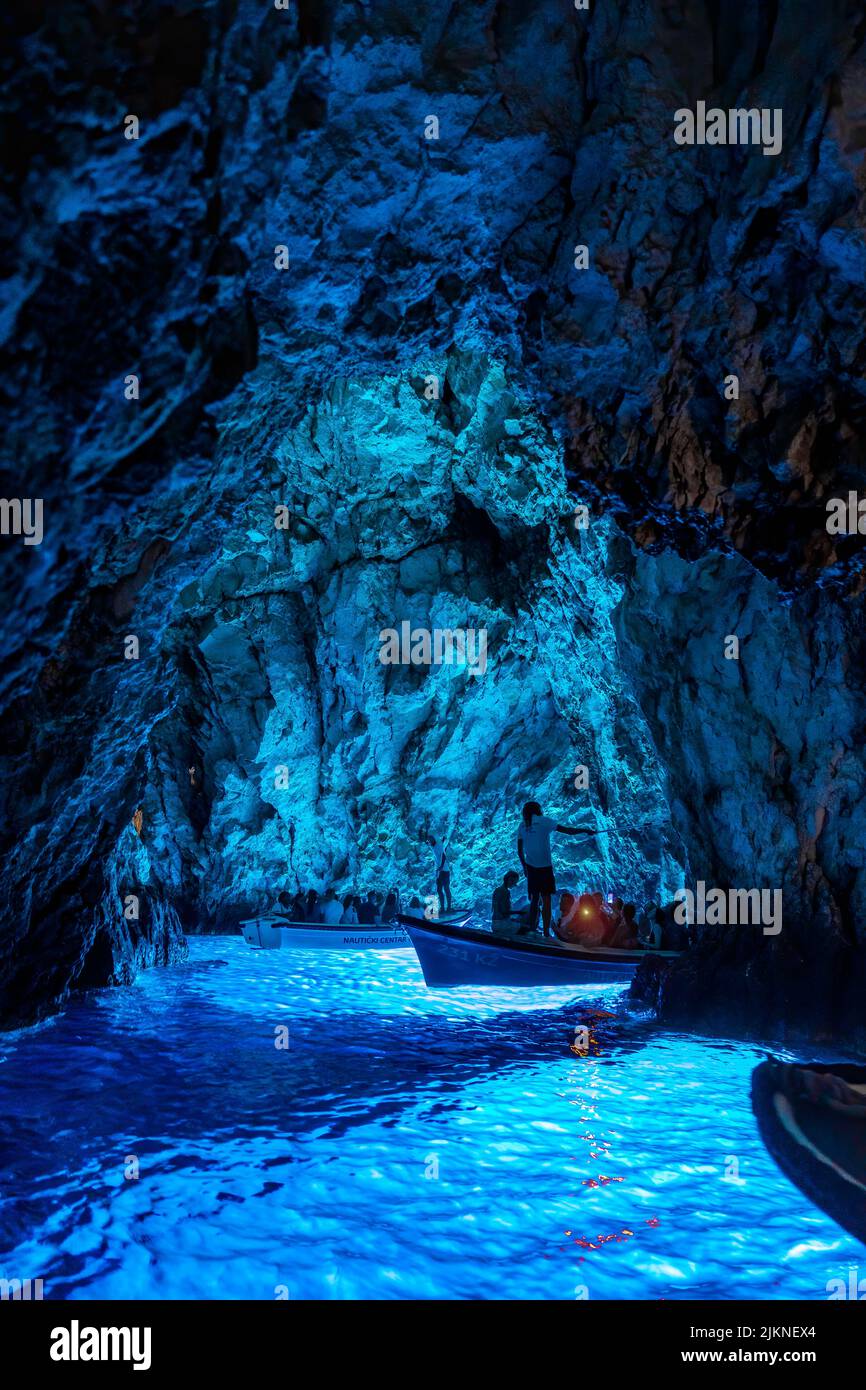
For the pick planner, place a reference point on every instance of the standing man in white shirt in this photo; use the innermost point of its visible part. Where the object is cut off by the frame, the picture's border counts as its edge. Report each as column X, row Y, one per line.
column 443, row 873
column 533, row 848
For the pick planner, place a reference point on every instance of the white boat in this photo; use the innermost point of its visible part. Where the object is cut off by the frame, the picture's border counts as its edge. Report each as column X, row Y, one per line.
column 274, row 931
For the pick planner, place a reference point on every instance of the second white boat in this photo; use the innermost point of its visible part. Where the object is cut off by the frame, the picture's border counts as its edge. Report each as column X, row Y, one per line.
column 268, row 933
column 273, row 931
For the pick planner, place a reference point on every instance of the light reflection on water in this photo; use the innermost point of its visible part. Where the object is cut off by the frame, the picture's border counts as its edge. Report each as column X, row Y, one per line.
column 407, row 1144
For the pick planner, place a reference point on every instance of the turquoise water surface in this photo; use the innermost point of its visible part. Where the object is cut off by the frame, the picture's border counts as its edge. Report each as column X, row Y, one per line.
column 405, row 1144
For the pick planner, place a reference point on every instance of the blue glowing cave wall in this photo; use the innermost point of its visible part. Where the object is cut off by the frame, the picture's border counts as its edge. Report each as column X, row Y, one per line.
column 401, row 516
column 306, row 387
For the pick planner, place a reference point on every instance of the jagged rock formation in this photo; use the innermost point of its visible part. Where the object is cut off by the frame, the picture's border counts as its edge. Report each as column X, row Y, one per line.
column 767, row 760
column 409, row 258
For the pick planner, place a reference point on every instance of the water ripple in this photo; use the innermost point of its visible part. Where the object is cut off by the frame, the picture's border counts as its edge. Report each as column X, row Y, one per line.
column 405, row 1144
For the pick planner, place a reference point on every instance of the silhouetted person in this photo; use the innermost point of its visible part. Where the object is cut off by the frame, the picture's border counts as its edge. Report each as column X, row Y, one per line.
column 350, row 916
column 314, row 912
column 567, row 928
column 533, row 849
column 443, row 873
column 367, row 910
column 652, row 930
column 501, row 905
column 624, row 934
column 629, row 917
column 650, row 934
column 389, row 911
column 585, row 925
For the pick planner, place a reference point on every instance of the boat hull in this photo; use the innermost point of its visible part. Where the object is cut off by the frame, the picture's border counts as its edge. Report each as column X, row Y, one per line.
column 316, row 938
column 820, row 1147
column 261, row 934
column 452, row 955
column 269, row 933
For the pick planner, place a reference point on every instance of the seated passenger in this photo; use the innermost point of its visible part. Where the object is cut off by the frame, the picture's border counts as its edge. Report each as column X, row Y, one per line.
column 624, row 936
column 607, row 916
column 332, row 909
column 566, row 926
column 367, row 912
column 298, row 909
column 650, row 933
column 350, row 916
column 313, row 910
column 601, row 908
column 390, row 908
column 611, row 916
column 501, row 906
column 585, row 926
column 357, row 905
column 629, row 916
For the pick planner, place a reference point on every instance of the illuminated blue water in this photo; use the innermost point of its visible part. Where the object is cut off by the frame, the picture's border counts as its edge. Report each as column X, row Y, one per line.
column 406, row 1144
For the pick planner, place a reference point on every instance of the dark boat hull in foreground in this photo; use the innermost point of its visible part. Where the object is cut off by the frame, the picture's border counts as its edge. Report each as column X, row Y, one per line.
column 818, row 1142
column 453, row 955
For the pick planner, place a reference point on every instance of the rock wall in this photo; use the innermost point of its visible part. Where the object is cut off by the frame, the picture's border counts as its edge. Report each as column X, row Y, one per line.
column 411, row 258
column 765, row 759
column 318, row 763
